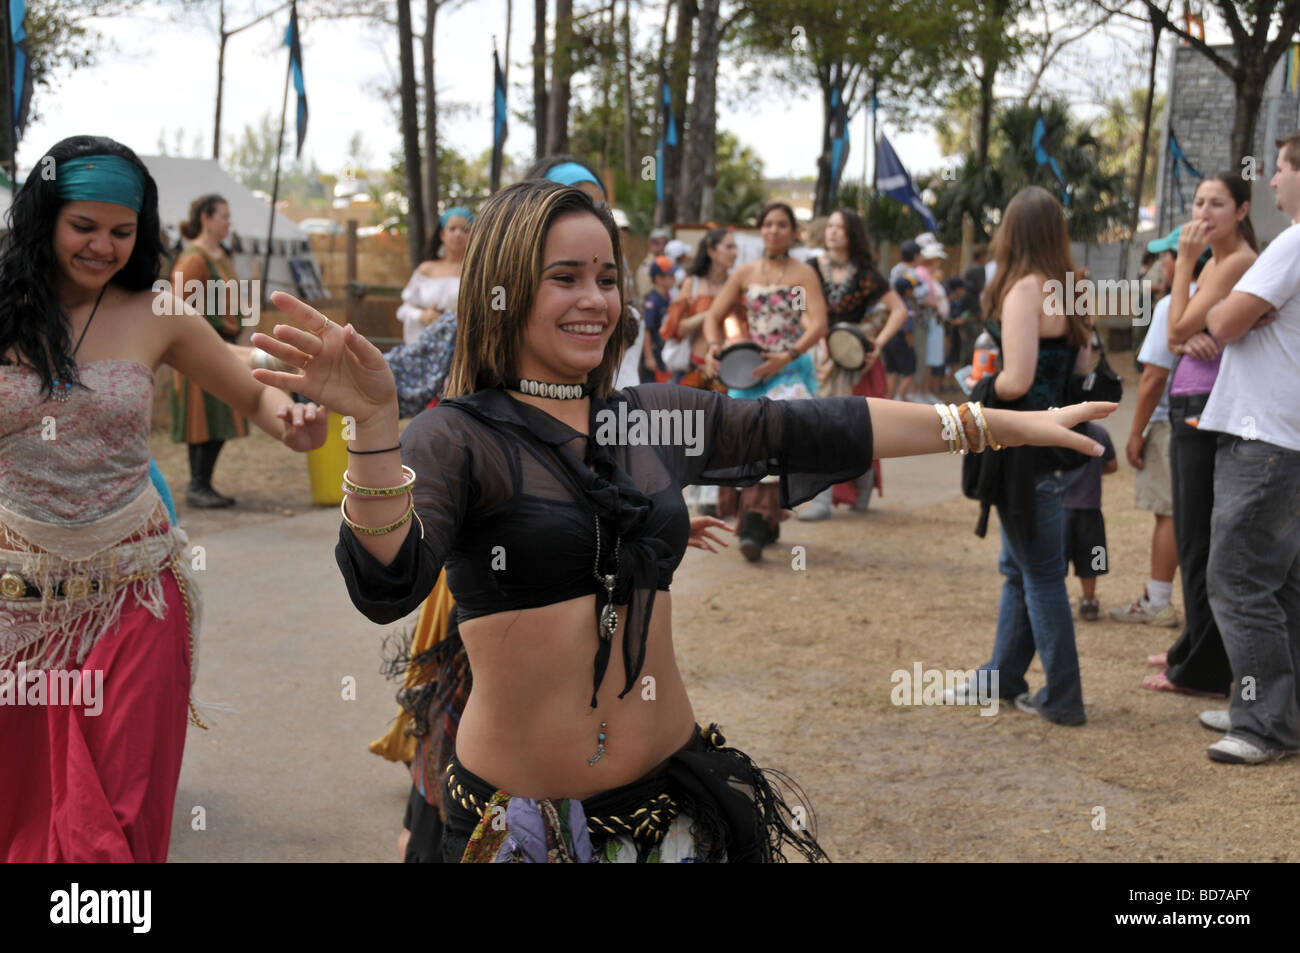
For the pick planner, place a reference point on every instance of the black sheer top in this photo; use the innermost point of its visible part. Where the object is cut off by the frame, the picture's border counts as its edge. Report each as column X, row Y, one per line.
column 509, row 496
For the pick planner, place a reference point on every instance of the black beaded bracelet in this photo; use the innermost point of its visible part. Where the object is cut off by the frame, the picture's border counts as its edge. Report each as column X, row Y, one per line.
column 385, row 450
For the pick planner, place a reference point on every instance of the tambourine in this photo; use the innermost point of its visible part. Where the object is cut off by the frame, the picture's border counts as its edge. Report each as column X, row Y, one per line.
column 848, row 346
column 737, row 363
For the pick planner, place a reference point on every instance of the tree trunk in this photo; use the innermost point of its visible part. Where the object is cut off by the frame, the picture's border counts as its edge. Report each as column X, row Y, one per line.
column 679, row 76
column 1249, row 96
column 557, row 114
column 431, row 171
column 1146, row 130
column 700, row 142
column 822, row 194
column 221, row 77
column 629, row 132
column 985, row 111
column 539, row 76
column 660, row 130
column 410, row 133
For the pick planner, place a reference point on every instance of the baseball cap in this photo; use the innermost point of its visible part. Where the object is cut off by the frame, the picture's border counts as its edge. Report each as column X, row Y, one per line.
column 1168, row 243
column 909, row 248
column 676, row 249
column 660, row 233
column 904, row 284
column 661, row 265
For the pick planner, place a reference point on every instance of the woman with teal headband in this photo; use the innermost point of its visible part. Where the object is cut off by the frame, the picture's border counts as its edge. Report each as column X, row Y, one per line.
column 95, row 577
column 431, row 293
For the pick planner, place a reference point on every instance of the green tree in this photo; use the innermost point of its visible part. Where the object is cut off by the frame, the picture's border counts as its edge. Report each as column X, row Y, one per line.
column 1097, row 200
column 838, row 46
column 1120, row 133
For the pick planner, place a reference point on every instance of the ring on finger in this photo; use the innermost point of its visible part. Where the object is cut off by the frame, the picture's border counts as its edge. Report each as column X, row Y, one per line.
column 324, row 327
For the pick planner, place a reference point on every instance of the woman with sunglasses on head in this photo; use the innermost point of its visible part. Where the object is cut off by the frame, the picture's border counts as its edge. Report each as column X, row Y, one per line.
column 561, row 536
column 94, row 581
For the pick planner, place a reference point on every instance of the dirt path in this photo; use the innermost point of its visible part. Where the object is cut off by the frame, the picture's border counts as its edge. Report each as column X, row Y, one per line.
column 794, row 664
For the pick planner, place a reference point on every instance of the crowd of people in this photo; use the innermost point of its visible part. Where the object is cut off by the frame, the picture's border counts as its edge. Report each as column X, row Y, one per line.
column 520, row 723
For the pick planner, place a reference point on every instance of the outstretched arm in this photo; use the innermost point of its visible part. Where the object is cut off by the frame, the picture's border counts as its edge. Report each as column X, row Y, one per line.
column 904, row 430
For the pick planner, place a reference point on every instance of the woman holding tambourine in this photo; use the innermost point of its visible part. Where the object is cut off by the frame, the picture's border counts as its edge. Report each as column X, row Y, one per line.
column 785, row 318
column 848, row 363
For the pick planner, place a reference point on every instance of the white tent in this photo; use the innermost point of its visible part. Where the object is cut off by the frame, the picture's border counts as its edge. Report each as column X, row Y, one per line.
column 181, row 181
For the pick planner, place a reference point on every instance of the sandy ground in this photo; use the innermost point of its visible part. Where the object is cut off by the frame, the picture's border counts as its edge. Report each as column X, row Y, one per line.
column 795, row 664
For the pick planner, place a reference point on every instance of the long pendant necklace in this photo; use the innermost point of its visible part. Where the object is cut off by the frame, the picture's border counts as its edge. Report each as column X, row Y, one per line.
column 608, row 623
column 61, row 389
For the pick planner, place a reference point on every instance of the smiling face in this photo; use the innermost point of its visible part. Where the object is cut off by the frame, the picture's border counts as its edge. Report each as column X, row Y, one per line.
column 92, row 242
column 455, row 236
column 777, row 231
column 1215, row 206
column 217, row 224
column 577, row 306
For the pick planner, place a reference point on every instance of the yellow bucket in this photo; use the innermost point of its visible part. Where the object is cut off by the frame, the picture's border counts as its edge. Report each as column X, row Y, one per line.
column 326, row 465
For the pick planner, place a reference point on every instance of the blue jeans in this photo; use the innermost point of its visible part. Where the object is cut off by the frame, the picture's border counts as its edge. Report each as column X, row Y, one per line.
column 1035, row 612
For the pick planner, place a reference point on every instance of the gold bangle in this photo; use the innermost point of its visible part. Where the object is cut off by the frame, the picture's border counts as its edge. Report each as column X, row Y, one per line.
column 989, row 439
column 404, row 487
column 962, row 440
column 379, row 530
column 974, row 442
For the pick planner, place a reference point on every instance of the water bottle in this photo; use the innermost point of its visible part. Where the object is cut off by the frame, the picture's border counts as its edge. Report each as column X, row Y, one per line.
column 986, row 356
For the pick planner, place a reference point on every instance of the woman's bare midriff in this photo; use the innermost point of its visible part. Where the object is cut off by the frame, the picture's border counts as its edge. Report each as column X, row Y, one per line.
column 529, row 728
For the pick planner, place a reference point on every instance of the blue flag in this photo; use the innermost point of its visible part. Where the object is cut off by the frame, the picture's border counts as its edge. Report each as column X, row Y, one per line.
column 839, row 139
column 22, row 67
column 668, row 136
column 1041, row 156
column 291, row 40
column 893, row 180
column 1180, row 158
column 498, row 120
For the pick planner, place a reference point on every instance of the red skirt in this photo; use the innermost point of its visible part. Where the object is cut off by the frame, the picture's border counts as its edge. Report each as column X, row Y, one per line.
column 870, row 384
column 101, row 787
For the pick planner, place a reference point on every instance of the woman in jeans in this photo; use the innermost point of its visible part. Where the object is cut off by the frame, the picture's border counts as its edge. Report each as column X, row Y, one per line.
column 1040, row 348
column 1197, row 664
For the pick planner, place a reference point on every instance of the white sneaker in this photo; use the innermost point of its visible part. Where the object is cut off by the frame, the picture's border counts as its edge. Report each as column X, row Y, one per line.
column 1217, row 719
column 1234, row 750
column 1141, row 610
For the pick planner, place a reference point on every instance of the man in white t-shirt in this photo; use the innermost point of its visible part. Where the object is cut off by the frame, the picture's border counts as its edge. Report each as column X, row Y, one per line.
column 1253, row 575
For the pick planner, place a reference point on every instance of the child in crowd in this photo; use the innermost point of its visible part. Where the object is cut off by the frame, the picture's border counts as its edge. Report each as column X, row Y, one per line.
column 662, row 278
column 898, row 354
column 1085, row 528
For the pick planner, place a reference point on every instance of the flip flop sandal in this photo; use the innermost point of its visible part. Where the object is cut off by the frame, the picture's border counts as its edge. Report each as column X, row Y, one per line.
column 1158, row 661
column 1161, row 683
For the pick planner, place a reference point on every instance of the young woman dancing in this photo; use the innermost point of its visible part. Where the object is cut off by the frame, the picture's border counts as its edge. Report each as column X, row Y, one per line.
column 561, row 536
column 94, row 586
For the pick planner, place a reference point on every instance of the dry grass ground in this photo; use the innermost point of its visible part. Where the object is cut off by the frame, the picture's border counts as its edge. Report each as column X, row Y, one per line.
column 796, row 666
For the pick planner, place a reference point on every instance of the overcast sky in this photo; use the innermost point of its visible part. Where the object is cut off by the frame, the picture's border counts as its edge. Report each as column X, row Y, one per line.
column 161, row 76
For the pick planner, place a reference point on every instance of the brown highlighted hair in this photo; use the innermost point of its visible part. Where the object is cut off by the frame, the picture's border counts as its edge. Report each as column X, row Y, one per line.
column 203, row 205
column 1032, row 238
column 1289, row 146
column 503, row 268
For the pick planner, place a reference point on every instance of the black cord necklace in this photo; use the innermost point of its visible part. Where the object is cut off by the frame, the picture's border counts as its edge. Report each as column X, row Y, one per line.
column 61, row 389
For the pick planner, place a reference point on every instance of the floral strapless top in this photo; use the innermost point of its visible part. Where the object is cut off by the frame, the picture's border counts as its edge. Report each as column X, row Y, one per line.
column 774, row 322
column 79, row 460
